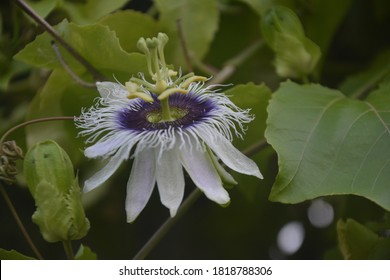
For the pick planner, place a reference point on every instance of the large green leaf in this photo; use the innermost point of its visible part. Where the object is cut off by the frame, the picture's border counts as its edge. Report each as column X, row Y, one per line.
column 42, row 8
column 81, row 12
column 91, row 10
column 199, row 21
column 328, row 144
column 96, row 43
column 124, row 21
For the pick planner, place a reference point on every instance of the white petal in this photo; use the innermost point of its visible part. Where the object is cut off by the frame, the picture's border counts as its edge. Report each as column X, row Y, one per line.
column 170, row 179
column 141, row 182
column 232, row 157
column 202, row 171
column 103, row 148
column 113, row 164
column 226, row 177
column 111, row 90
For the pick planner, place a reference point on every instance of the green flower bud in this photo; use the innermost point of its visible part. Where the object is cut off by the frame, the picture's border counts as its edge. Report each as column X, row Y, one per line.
column 294, row 58
column 296, row 55
column 50, row 177
column 281, row 20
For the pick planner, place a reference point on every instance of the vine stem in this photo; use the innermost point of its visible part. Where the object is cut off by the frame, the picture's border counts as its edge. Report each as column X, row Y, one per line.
column 28, row 10
column 68, row 249
column 232, row 64
column 61, row 118
column 188, row 202
column 19, row 222
column 167, row 225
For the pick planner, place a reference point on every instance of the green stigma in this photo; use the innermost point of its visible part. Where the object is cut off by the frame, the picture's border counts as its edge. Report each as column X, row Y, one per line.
column 175, row 114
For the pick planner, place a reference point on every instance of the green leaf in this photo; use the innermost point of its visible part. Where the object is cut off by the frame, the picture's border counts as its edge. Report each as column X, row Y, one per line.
column 43, row 7
column 359, row 242
column 80, row 12
column 328, row 144
column 13, row 255
column 199, row 21
column 85, row 253
column 96, row 43
column 91, row 10
column 123, row 23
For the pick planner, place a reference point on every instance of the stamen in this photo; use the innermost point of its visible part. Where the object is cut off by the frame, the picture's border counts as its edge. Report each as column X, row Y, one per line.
column 133, row 88
column 171, row 91
column 141, row 45
column 172, row 73
column 180, row 79
column 142, row 95
column 162, row 41
column 193, row 79
column 144, row 83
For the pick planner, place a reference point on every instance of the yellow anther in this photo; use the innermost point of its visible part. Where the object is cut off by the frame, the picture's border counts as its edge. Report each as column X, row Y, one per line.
column 170, row 91
column 142, row 95
column 131, row 87
column 192, row 79
column 172, row 73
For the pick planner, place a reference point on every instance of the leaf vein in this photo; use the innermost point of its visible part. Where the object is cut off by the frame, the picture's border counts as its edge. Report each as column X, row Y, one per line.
column 326, row 108
column 379, row 117
column 339, row 148
column 364, row 160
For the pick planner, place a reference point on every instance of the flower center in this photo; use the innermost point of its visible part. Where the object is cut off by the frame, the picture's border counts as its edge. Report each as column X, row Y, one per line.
column 186, row 110
column 176, row 114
